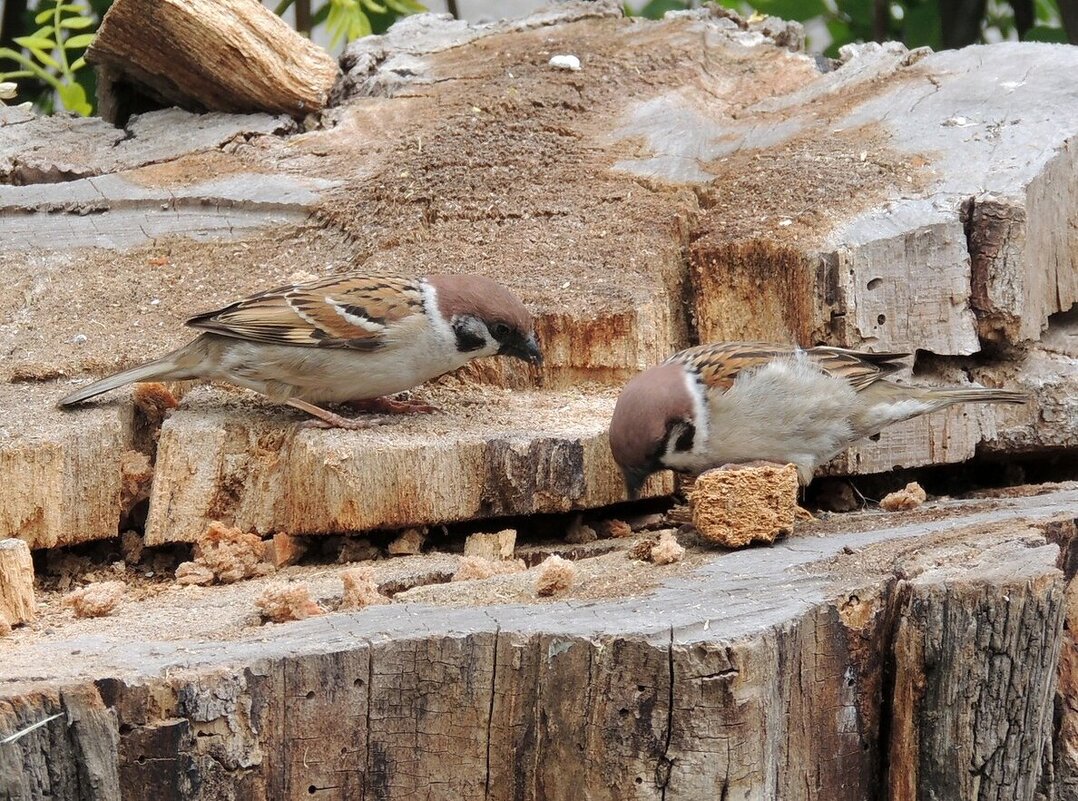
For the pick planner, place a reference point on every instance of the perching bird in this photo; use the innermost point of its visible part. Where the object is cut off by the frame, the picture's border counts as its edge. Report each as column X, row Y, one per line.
column 737, row 402
column 351, row 338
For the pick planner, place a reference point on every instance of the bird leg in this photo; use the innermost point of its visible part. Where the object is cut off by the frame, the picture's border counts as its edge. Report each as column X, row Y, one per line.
column 328, row 419
column 386, row 405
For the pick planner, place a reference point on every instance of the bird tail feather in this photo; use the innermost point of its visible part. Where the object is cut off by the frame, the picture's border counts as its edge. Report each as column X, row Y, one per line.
column 979, row 395
column 168, row 367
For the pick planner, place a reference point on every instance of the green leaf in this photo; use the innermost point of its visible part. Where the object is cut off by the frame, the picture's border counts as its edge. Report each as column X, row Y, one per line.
column 1044, row 33
column 44, row 32
column 35, row 42
column 375, row 7
column 82, row 40
column 77, row 23
column 73, row 97
column 43, row 16
column 921, row 26
column 406, row 7
column 45, row 58
column 78, row 63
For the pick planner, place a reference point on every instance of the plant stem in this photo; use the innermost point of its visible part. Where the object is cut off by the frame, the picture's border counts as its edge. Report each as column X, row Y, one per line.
column 451, row 6
column 59, row 41
column 303, row 16
column 283, row 6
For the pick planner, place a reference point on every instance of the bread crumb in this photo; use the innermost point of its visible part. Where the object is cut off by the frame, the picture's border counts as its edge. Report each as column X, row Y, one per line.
column 153, row 401
column 409, row 543
column 613, row 529
column 360, row 588
column 96, row 600
column 668, row 550
column 357, row 549
column 193, row 573
column 136, row 475
column 284, row 602
column 472, row 568
column 132, row 546
column 742, row 504
column 904, row 500
column 499, row 545
column 555, row 575
column 229, row 554
column 283, row 549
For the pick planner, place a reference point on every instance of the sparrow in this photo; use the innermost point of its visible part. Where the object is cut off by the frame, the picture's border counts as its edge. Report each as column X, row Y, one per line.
column 350, row 338
column 740, row 402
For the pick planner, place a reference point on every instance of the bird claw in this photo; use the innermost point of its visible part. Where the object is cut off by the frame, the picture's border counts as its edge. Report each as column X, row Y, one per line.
column 346, row 423
column 394, row 406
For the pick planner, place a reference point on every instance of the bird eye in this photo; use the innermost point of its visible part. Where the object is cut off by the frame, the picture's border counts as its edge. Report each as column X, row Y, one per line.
column 685, row 438
column 499, row 330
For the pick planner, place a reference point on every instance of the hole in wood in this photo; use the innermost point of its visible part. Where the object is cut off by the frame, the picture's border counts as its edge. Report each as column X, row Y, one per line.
column 881, row 319
column 310, row 694
column 875, row 283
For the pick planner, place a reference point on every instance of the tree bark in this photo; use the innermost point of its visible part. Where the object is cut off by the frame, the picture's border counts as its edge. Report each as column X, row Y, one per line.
column 206, row 55
column 16, row 582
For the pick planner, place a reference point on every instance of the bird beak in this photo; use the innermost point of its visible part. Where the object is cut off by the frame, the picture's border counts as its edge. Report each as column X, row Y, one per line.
column 634, row 480
column 525, row 349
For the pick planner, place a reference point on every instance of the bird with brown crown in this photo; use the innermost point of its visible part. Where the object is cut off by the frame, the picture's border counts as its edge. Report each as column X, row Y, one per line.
column 350, row 338
column 741, row 402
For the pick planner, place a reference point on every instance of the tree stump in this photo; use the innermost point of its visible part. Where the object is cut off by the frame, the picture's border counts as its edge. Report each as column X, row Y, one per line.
column 16, row 582
column 208, row 55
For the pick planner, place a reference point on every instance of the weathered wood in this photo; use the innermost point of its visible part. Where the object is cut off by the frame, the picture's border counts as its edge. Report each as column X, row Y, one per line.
column 262, row 474
column 976, row 656
column 758, row 674
column 16, row 583
column 210, row 55
column 64, row 476
column 632, row 216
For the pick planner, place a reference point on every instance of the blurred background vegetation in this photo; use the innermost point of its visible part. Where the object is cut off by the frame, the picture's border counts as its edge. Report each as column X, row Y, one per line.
column 42, row 41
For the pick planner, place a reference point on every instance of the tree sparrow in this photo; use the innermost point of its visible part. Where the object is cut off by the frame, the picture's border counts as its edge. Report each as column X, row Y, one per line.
column 348, row 338
column 737, row 402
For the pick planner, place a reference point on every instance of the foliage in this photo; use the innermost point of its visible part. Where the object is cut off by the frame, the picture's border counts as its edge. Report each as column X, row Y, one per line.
column 833, row 23
column 350, row 19
column 52, row 54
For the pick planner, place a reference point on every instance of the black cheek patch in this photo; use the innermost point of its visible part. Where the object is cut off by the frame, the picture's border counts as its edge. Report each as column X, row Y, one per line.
column 685, row 439
column 467, row 341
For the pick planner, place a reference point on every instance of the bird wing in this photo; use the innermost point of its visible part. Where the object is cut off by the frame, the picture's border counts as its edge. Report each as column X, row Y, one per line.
column 351, row 311
column 720, row 363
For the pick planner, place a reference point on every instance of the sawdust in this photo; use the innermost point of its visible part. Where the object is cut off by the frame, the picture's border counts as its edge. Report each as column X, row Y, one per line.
column 579, row 533
column 282, row 603
column 96, row 600
column 360, row 588
column 5, row 627
column 136, row 475
column 903, row 500
column 477, row 568
column 132, row 547
column 555, row 576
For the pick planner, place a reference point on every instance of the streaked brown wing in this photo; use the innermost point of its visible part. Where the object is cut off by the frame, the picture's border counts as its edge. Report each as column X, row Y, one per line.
column 351, row 311
column 720, row 363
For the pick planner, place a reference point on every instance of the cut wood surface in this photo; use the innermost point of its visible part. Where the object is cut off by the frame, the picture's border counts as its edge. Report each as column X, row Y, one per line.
column 16, row 583
column 798, row 670
column 697, row 179
column 209, row 55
